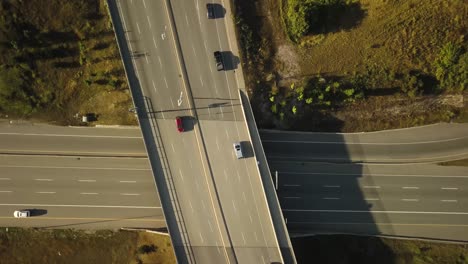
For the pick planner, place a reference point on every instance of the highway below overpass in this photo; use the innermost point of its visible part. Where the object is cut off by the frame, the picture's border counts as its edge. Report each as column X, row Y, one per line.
column 379, row 183
column 215, row 205
column 85, row 178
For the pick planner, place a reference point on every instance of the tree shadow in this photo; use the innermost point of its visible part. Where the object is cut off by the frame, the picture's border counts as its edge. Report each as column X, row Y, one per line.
column 335, row 16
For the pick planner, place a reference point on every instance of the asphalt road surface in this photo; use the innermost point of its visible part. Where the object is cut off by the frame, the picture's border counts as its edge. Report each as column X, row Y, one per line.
column 414, row 145
column 382, row 197
column 214, row 204
column 73, row 191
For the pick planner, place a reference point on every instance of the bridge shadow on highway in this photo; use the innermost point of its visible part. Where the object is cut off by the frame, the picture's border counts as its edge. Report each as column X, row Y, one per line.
column 323, row 191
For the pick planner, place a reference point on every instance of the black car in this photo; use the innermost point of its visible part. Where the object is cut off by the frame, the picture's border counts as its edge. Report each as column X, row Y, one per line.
column 210, row 11
column 219, row 60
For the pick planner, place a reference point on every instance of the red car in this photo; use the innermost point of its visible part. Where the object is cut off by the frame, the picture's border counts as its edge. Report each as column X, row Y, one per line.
column 180, row 124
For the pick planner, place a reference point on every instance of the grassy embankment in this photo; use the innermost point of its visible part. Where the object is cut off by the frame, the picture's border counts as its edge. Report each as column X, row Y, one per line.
column 19, row 245
column 355, row 65
column 59, row 58
column 370, row 250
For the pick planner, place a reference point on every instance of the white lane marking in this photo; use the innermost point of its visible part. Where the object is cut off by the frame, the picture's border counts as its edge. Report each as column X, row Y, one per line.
column 238, row 176
column 144, row 3
column 245, row 198
column 371, row 199
column 449, row 201
column 211, row 227
column 181, row 175
column 134, row 194
column 263, row 259
column 256, row 237
column 160, row 62
column 203, row 204
column 79, row 168
column 5, row 179
column 243, row 237
column 147, row 60
column 375, row 212
column 449, row 188
column 165, row 81
column 84, row 206
column 374, row 175
column 154, row 43
column 154, row 85
column 227, row 133
column 191, row 207
column 410, row 200
column 149, row 21
column 173, row 149
column 138, row 28
column 172, row 103
column 190, row 162
column 5, row 191
column 186, row 20
column 234, row 205
column 330, row 198
column 127, row 181
column 46, row 192
column 331, row 186
column 364, row 143
column 201, row 81
column 410, row 187
column 201, row 237
column 291, row 185
column 217, row 144
column 87, row 180
column 61, row 135
column 250, row 216
column 43, row 179
column 371, row 187
column 87, row 193
column 225, row 174
column 198, row 185
column 292, row 197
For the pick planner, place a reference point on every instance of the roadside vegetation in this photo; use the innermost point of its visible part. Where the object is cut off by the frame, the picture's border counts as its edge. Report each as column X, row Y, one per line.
column 18, row 245
column 370, row 250
column 354, row 65
column 58, row 59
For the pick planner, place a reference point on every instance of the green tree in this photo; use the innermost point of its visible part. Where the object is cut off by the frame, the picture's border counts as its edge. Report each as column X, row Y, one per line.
column 451, row 68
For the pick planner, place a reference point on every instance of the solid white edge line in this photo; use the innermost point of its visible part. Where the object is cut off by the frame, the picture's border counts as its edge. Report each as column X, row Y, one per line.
column 374, row 212
column 85, row 206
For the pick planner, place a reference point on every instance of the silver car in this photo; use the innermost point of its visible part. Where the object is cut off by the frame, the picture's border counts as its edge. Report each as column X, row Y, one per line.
column 238, row 150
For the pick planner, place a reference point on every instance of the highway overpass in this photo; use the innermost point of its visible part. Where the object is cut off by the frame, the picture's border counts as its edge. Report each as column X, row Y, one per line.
column 216, row 207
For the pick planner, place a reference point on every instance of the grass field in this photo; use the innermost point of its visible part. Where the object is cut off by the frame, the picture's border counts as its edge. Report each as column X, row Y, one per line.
column 59, row 58
column 343, row 249
column 68, row 246
column 377, row 57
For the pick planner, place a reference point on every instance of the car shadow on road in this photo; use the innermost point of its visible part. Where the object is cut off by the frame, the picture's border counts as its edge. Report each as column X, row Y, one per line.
column 36, row 212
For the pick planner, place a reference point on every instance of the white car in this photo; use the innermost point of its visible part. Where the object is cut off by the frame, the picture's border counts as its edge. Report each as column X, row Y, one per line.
column 22, row 214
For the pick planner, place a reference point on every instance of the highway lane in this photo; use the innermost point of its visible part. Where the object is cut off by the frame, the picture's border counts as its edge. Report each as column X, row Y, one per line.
column 421, row 144
column 402, row 200
column 40, row 139
column 78, row 192
column 178, row 160
column 218, row 107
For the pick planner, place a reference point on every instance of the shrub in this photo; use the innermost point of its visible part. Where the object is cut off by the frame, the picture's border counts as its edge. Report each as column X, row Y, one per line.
column 451, row 68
